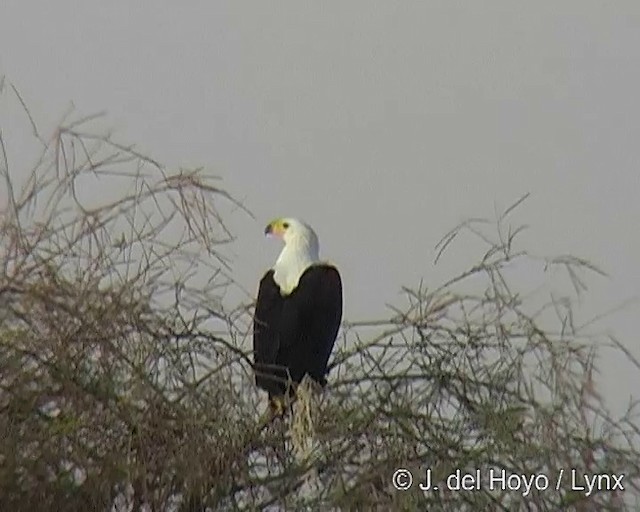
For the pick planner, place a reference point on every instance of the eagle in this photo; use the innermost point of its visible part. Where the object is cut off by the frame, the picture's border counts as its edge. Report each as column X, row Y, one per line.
column 297, row 315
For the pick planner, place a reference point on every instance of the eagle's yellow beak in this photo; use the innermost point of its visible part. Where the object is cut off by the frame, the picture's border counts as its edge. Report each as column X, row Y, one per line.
column 275, row 228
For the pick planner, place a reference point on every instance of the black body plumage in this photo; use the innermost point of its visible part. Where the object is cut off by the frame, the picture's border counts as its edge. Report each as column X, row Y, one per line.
column 294, row 334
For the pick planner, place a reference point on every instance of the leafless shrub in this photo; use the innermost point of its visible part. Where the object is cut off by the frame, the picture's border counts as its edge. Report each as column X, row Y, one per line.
column 482, row 381
column 125, row 385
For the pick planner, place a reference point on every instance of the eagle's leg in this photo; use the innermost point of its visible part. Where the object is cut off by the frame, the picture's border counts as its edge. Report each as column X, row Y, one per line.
column 277, row 405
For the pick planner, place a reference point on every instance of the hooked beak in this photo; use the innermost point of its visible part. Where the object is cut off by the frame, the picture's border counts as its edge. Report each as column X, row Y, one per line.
column 275, row 228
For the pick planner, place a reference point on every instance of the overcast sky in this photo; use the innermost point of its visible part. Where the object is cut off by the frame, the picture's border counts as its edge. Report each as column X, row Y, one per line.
column 383, row 124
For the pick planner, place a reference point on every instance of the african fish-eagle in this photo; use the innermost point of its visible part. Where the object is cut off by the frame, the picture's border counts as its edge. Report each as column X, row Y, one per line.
column 298, row 313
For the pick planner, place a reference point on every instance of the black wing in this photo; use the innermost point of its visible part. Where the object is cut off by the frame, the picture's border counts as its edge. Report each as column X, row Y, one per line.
column 311, row 318
column 266, row 335
column 294, row 335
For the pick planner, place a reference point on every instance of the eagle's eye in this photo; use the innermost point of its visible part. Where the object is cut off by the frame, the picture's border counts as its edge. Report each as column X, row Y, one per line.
column 285, row 225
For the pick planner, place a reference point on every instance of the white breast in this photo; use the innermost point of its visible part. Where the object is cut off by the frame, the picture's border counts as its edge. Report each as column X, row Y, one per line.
column 289, row 268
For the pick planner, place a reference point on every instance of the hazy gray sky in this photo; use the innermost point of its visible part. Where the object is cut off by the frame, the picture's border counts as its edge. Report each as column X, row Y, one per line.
column 383, row 124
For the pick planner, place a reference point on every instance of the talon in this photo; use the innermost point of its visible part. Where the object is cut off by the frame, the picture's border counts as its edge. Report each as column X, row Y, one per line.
column 277, row 405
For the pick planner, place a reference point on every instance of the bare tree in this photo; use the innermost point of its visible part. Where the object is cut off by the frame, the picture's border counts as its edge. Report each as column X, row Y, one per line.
column 126, row 385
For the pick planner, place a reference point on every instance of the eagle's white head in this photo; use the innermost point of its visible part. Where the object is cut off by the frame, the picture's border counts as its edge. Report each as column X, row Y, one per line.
column 300, row 251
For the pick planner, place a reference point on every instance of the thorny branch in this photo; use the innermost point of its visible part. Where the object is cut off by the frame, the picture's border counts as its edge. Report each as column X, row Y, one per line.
column 124, row 384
